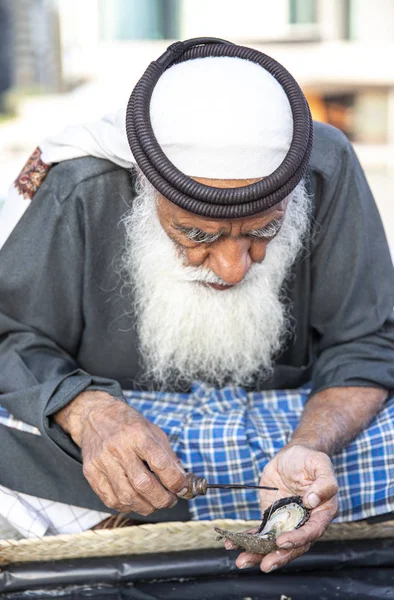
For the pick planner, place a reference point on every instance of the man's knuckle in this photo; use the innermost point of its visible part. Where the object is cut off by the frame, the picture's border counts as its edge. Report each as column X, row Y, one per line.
column 109, row 501
column 160, row 462
column 299, row 543
column 143, row 508
column 125, row 498
column 110, row 447
column 89, row 470
column 105, row 497
column 122, row 508
column 126, row 433
column 335, row 488
column 150, row 445
column 145, row 512
column 143, row 483
column 160, row 434
column 155, row 429
column 141, row 441
column 166, row 502
column 176, row 483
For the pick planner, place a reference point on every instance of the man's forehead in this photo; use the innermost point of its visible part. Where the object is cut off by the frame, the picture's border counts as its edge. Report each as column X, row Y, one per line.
column 187, row 218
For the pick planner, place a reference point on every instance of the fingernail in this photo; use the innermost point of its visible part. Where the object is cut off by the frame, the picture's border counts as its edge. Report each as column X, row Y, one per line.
column 183, row 492
column 313, row 500
column 246, row 565
column 174, row 503
column 181, row 469
column 286, row 546
column 272, row 568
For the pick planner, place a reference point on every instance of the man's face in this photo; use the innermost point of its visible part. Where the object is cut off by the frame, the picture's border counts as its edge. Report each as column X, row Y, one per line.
column 227, row 247
column 187, row 330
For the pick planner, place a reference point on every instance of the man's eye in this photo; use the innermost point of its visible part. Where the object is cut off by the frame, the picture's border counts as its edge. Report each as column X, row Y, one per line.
column 201, row 237
column 268, row 232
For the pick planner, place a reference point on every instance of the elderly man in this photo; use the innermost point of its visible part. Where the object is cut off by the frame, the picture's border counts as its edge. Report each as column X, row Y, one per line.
column 234, row 255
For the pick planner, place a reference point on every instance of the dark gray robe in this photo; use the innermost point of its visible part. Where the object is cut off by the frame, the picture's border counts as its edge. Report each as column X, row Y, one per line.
column 65, row 322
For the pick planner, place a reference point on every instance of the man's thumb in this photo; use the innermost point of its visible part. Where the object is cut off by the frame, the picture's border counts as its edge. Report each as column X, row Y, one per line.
column 322, row 489
column 311, row 500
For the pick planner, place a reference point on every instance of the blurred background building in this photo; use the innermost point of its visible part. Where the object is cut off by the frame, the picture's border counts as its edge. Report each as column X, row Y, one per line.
column 73, row 60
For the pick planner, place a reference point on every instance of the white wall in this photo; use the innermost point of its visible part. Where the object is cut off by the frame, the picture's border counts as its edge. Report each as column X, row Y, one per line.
column 373, row 21
column 331, row 15
column 234, row 19
column 79, row 31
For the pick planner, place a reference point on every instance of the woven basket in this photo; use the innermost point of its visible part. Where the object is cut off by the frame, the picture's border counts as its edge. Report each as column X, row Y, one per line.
column 158, row 537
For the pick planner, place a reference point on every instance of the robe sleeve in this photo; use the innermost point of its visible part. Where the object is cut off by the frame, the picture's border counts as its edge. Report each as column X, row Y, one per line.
column 41, row 316
column 352, row 294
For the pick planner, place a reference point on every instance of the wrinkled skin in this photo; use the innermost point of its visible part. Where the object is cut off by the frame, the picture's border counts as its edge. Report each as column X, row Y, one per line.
column 296, row 471
column 127, row 460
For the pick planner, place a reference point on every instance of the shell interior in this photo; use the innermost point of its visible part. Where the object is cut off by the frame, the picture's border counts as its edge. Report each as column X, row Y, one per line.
column 284, row 515
column 285, row 518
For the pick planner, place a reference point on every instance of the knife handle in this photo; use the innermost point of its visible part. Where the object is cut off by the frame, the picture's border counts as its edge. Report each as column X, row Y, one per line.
column 196, row 486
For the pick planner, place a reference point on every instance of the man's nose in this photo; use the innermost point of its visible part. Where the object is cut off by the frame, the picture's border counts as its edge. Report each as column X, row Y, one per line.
column 230, row 259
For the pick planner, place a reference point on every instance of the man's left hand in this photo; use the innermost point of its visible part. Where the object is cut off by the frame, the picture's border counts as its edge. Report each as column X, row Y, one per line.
column 297, row 471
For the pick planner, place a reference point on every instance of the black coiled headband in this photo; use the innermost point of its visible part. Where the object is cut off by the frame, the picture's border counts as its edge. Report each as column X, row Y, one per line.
column 182, row 190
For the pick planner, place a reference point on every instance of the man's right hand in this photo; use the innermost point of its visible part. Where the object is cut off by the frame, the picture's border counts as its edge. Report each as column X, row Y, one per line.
column 116, row 441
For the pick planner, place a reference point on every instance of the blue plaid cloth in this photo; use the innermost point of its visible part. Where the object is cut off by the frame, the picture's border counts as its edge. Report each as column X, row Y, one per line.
column 228, row 436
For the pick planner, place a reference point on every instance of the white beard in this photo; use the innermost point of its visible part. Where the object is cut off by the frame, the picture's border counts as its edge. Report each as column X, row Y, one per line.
column 188, row 331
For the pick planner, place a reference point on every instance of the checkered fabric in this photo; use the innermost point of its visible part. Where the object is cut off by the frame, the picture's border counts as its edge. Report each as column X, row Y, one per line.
column 228, row 436
column 22, row 515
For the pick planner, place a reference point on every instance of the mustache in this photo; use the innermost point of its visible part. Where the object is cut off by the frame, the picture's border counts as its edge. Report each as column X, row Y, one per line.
column 204, row 275
column 201, row 275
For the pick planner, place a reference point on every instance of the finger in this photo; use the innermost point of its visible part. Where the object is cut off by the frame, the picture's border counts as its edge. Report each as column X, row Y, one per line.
column 308, row 533
column 319, row 492
column 161, row 459
column 126, row 497
column 280, row 558
column 271, row 561
column 101, row 486
column 146, row 484
column 246, row 560
column 229, row 545
column 324, row 486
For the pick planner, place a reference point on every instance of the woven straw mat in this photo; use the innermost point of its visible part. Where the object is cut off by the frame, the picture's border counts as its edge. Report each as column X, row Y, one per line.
column 158, row 537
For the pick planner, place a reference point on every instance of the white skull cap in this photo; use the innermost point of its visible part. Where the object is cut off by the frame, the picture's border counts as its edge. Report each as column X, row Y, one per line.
column 221, row 118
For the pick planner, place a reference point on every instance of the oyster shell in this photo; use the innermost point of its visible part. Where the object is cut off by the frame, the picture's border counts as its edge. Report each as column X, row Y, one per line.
column 284, row 515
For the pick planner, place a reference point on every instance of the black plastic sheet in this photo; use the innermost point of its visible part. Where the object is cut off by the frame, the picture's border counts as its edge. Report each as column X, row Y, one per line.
column 359, row 569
